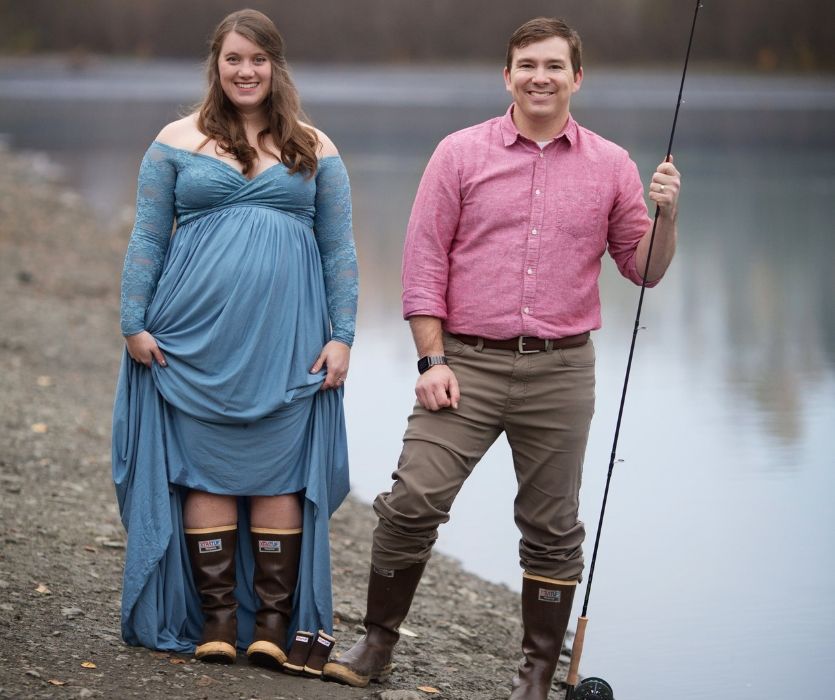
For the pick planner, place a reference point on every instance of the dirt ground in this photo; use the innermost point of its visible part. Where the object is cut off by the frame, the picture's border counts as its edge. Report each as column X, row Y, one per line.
column 62, row 540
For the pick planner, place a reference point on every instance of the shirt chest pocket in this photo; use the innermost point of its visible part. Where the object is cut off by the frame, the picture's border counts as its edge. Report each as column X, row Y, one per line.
column 582, row 210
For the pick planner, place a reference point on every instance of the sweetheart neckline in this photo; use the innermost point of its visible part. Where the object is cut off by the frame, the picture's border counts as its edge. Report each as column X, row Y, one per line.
column 227, row 166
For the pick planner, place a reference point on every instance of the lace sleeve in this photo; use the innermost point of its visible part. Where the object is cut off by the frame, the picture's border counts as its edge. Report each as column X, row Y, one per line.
column 150, row 237
column 335, row 239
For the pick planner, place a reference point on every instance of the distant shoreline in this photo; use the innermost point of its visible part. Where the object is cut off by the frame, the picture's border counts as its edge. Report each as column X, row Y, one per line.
column 646, row 87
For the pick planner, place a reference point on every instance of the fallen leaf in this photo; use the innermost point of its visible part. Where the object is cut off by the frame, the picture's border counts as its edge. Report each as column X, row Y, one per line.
column 176, row 661
column 39, row 427
column 55, row 681
column 428, row 689
column 88, row 664
column 205, row 680
column 43, row 589
column 44, row 380
column 88, row 548
column 407, row 633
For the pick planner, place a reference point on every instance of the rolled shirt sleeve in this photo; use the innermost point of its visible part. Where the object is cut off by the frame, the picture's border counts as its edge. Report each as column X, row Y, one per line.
column 431, row 230
column 628, row 221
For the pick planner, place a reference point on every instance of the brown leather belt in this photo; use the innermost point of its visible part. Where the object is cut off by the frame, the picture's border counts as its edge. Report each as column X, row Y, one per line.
column 525, row 343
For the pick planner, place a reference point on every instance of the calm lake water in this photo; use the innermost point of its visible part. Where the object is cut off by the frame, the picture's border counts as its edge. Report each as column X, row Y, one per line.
column 717, row 562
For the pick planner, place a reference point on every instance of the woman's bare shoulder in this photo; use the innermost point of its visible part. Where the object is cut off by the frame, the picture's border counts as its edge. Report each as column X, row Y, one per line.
column 182, row 133
column 326, row 146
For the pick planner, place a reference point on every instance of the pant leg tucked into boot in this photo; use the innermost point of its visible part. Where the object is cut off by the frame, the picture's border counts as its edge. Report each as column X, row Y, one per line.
column 390, row 594
column 546, row 608
column 212, row 557
column 276, row 554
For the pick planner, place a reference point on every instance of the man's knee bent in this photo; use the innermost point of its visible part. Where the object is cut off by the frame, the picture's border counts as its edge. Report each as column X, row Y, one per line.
column 397, row 544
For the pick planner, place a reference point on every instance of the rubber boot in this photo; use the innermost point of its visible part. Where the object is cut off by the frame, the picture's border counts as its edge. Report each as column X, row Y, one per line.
column 303, row 642
column 276, row 554
column 319, row 654
column 212, row 555
column 546, row 609
column 390, row 594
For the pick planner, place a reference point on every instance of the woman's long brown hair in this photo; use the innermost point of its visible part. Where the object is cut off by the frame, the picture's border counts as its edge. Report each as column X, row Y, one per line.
column 219, row 120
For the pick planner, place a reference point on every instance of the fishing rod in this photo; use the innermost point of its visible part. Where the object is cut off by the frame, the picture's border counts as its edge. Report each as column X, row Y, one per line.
column 597, row 688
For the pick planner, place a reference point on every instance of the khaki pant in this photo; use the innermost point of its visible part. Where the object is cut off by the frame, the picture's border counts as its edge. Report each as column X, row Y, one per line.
column 543, row 402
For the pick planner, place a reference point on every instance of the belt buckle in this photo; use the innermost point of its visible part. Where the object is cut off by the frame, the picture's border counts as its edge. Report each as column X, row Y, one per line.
column 521, row 345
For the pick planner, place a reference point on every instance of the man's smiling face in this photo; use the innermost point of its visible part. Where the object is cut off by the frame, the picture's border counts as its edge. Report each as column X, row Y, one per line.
column 541, row 80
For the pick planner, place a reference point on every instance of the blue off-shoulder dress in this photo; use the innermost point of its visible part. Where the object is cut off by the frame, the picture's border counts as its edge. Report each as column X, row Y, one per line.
column 259, row 274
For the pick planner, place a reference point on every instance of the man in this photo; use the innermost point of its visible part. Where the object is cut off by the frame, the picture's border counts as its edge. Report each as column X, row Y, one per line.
column 500, row 286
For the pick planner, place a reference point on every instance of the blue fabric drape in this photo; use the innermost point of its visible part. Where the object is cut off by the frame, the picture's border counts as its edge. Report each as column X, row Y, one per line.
column 240, row 309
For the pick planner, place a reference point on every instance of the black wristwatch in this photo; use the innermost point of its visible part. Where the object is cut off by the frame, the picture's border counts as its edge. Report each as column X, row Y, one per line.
column 424, row 363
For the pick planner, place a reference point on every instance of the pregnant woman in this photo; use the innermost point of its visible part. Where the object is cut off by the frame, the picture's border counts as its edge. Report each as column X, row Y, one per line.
column 229, row 445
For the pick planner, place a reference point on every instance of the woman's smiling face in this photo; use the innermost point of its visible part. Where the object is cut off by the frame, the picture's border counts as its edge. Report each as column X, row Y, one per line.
column 245, row 72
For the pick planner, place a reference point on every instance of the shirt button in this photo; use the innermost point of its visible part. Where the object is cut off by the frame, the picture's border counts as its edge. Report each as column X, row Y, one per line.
column 541, row 154
column 537, row 191
column 533, row 233
column 526, row 310
column 530, row 270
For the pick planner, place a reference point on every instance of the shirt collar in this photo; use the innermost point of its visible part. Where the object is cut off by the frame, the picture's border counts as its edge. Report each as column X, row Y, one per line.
column 510, row 134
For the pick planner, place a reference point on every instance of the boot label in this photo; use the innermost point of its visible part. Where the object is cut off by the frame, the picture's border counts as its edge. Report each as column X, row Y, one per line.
column 270, row 546
column 388, row 573
column 206, row 546
column 550, row 595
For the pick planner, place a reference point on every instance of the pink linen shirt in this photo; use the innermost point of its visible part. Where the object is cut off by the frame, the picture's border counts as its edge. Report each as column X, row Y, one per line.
column 506, row 239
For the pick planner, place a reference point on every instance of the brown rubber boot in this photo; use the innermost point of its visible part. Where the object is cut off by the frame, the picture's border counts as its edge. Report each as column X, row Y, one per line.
column 390, row 594
column 211, row 552
column 276, row 554
column 319, row 654
column 546, row 608
column 299, row 651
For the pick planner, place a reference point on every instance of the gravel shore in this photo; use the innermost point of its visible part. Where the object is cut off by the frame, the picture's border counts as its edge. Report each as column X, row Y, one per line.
column 63, row 543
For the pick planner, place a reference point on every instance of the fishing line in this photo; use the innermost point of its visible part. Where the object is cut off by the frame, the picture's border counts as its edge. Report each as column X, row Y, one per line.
column 596, row 687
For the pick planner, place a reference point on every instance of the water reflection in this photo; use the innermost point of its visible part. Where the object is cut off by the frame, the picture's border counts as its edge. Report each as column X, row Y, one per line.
column 718, row 557
column 764, row 250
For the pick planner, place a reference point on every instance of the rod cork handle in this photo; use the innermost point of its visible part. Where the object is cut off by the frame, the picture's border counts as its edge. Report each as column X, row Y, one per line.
column 577, row 651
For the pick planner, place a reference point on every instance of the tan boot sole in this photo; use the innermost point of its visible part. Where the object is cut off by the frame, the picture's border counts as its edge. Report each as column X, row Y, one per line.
column 266, row 654
column 215, row 653
column 342, row 674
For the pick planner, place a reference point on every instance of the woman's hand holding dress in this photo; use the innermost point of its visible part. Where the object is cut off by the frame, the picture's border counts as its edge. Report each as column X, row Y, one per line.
column 143, row 348
column 335, row 356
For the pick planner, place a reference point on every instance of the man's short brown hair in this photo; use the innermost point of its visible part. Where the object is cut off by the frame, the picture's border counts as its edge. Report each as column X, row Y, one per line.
column 542, row 28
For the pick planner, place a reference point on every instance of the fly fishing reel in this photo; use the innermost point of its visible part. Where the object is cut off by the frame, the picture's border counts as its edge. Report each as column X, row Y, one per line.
column 593, row 689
